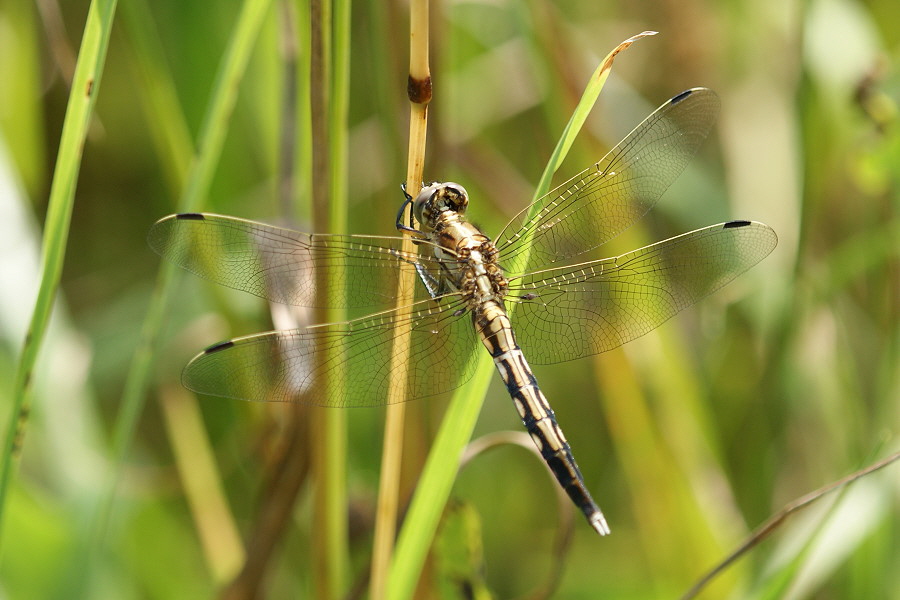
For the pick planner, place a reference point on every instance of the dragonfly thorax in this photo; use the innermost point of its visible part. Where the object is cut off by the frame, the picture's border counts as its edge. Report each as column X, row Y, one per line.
column 482, row 279
column 470, row 258
column 438, row 198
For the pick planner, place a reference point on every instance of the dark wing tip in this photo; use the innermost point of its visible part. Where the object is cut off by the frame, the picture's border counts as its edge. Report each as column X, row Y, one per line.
column 218, row 347
column 681, row 96
column 161, row 233
column 690, row 92
column 736, row 224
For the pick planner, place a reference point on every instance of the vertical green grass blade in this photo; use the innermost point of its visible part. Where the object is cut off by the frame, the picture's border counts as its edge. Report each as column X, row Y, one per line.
column 85, row 87
column 331, row 554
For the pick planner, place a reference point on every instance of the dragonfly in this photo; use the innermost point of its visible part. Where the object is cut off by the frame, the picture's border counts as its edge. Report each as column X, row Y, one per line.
column 535, row 293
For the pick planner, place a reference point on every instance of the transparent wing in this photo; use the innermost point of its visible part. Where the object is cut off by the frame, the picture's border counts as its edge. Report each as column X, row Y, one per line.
column 343, row 364
column 570, row 312
column 280, row 264
column 607, row 197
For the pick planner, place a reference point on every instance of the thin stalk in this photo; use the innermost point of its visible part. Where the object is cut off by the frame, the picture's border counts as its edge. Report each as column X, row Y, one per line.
column 85, row 87
column 419, row 93
column 329, row 102
column 336, row 481
column 775, row 521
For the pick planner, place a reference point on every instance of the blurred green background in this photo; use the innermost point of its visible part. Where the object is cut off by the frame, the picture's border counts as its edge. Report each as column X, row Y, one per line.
column 689, row 437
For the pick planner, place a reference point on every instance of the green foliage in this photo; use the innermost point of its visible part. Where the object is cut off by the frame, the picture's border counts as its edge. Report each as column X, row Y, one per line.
column 459, row 556
column 689, row 437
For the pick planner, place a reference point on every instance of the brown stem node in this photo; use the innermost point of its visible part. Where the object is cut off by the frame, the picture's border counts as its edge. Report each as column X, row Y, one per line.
column 419, row 90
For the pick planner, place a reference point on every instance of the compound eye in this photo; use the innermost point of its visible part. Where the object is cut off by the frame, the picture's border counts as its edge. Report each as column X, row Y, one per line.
column 437, row 198
column 422, row 205
column 457, row 198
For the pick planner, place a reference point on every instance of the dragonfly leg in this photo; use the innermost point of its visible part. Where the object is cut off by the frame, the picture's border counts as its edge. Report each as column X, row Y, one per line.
column 431, row 283
column 420, row 235
column 436, row 286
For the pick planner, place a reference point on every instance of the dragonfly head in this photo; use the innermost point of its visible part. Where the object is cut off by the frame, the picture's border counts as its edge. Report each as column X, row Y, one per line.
column 437, row 198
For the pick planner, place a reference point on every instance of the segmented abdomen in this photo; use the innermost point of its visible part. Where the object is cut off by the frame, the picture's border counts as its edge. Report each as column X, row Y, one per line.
column 493, row 326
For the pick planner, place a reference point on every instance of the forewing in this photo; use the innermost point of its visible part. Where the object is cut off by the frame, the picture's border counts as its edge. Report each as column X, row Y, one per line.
column 575, row 311
column 609, row 196
column 343, row 364
column 280, row 264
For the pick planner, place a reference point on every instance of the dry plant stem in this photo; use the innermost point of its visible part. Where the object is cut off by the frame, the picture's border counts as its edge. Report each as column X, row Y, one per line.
column 388, row 488
column 766, row 529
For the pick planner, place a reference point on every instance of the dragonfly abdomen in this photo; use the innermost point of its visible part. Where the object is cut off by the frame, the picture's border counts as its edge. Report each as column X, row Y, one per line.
column 493, row 326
